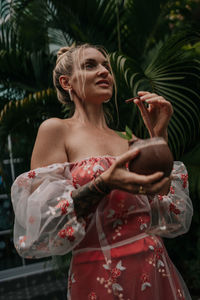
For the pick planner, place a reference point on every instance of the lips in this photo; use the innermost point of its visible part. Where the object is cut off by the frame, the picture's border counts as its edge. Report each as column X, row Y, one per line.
column 103, row 82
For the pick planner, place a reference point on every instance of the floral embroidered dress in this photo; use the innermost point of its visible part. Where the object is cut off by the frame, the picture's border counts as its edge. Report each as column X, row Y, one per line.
column 118, row 252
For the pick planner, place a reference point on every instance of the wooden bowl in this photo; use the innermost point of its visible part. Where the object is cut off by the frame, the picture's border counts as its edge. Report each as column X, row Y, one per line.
column 154, row 156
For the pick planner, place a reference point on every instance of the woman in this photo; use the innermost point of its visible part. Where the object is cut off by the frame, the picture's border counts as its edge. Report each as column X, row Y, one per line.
column 80, row 196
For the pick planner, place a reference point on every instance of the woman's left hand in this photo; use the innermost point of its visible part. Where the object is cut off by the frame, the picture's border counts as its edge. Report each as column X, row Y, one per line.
column 159, row 111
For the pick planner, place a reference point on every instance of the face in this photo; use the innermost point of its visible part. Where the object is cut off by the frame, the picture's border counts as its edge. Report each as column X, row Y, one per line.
column 91, row 79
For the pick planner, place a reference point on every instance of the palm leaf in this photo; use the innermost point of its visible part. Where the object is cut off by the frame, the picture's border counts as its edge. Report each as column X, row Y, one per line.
column 70, row 21
column 29, row 111
column 172, row 74
column 140, row 25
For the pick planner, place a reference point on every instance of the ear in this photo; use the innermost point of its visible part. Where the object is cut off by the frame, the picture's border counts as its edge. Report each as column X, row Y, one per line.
column 64, row 82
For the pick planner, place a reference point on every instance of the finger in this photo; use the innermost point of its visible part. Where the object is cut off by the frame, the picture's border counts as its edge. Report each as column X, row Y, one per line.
column 155, row 100
column 157, row 187
column 126, row 157
column 161, row 103
column 148, row 96
column 147, row 180
column 158, row 99
column 141, row 106
column 141, row 93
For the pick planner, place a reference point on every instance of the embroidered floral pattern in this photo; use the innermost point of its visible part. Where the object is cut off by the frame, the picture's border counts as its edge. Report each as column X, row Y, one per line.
column 119, row 217
column 174, row 209
column 145, row 283
column 180, row 294
column 184, row 178
column 22, row 240
column 111, row 283
column 70, row 232
column 115, row 273
column 160, row 197
column 31, row 174
column 142, row 224
column 172, row 190
column 92, row 296
column 62, row 233
column 156, row 259
column 67, row 232
column 63, row 205
column 75, row 181
column 31, row 220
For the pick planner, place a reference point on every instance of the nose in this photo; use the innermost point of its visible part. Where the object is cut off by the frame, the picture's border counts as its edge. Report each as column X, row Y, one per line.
column 103, row 71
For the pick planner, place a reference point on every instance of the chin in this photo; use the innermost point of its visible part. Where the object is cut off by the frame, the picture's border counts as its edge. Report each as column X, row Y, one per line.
column 106, row 97
column 99, row 97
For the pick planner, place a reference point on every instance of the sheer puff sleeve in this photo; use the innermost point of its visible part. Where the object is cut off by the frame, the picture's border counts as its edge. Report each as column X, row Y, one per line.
column 171, row 214
column 45, row 221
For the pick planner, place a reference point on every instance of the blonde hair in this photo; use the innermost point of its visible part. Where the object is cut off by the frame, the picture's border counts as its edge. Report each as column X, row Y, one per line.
column 66, row 57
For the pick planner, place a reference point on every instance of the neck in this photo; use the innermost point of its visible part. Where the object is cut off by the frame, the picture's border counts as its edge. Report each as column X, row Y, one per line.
column 89, row 114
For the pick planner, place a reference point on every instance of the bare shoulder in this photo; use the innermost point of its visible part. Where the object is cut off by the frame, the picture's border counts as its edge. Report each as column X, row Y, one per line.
column 51, row 131
column 49, row 146
column 51, row 124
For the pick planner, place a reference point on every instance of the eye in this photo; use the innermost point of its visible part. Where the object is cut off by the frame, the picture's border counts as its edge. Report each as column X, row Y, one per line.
column 89, row 65
column 107, row 67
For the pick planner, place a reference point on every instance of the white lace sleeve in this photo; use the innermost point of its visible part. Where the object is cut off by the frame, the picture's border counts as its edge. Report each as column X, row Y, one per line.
column 171, row 214
column 45, row 221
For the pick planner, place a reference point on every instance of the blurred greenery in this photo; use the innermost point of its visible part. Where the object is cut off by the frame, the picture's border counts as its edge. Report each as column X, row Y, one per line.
column 153, row 45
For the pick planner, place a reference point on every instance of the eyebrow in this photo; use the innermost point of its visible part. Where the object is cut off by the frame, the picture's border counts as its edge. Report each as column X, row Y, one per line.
column 91, row 60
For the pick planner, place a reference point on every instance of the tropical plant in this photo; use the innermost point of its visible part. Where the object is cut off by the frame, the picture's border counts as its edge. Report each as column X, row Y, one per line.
column 172, row 74
column 143, row 61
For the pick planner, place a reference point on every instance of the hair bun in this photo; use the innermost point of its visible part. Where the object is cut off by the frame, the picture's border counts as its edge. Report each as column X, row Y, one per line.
column 62, row 50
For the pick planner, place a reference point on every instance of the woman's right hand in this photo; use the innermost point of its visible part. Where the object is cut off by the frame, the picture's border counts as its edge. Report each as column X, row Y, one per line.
column 118, row 177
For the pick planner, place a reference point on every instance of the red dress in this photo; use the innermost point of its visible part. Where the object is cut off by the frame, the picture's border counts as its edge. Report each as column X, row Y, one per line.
column 118, row 252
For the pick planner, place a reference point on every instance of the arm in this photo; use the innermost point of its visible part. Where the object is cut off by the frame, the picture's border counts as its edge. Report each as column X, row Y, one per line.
column 48, row 221
column 45, row 220
column 171, row 214
column 87, row 197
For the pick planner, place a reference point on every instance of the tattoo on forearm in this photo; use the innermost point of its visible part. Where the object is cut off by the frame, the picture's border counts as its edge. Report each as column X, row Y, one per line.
column 88, row 196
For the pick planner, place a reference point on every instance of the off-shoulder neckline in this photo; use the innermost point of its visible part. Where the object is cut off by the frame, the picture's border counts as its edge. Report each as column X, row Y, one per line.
column 75, row 162
column 92, row 157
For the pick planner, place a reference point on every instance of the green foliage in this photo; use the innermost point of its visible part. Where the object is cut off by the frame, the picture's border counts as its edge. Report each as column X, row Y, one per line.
column 172, row 73
column 184, row 14
column 127, row 135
